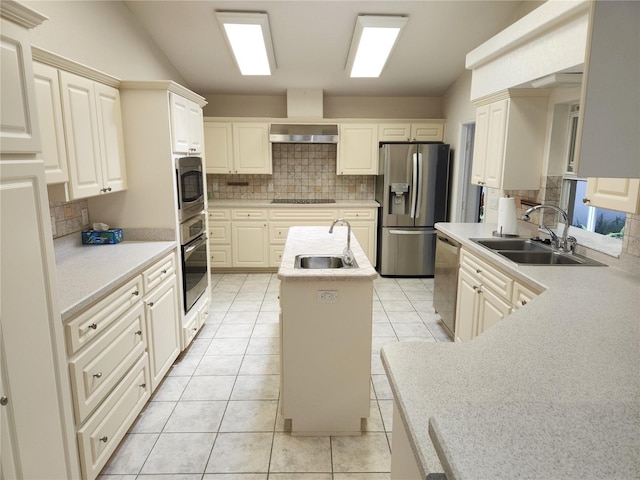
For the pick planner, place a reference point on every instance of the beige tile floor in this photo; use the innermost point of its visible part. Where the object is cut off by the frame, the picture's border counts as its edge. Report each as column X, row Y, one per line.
column 216, row 416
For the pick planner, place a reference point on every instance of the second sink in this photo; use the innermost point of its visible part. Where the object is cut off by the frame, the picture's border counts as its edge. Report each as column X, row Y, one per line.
column 519, row 244
column 322, row 262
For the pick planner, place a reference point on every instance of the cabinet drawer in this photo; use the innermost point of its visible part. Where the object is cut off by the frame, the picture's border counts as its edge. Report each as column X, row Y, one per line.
column 522, row 295
column 203, row 311
column 216, row 214
column 156, row 274
column 219, row 232
column 249, row 214
column 278, row 231
column 220, row 256
column 189, row 331
column 102, row 433
column 491, row 277
column 93, row 322
column 275, row 255
column 96, row 371
column 302, row 214
column 355, row 214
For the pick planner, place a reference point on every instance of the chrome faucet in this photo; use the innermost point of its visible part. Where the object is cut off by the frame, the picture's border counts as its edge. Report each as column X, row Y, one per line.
column 348, row 254
column 567, row 244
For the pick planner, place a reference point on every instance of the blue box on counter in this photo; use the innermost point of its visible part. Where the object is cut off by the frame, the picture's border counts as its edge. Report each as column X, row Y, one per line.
column 102, row 237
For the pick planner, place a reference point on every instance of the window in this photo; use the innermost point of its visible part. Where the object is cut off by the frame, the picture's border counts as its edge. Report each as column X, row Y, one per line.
column 600, row 221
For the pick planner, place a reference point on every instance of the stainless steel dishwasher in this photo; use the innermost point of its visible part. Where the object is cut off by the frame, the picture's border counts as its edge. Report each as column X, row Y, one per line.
column 446, row 280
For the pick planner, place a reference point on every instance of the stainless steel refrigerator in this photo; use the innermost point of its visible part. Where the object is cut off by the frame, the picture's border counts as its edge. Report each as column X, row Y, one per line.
column 412, row 188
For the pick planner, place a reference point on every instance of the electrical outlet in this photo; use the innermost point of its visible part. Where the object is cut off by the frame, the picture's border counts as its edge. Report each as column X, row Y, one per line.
column 327, row 296
column 54, row 232
column 270, row 187
column 85, row 217
column 214, row 186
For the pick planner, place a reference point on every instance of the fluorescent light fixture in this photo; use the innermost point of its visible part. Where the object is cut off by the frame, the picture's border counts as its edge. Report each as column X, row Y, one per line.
column 248, row 37
column 373, row 40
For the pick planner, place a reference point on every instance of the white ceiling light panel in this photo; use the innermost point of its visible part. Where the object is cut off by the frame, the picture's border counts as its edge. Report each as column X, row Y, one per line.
column 373, row 40
column 249, row 38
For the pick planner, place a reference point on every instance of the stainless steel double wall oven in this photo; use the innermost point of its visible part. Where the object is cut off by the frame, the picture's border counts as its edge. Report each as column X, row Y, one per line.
column 193, row 228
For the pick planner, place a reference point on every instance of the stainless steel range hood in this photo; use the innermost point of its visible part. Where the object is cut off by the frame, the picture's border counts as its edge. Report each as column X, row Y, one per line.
column 299, row 133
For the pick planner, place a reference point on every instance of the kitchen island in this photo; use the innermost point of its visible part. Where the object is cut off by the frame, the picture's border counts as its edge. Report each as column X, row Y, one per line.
column 325, row 335
column 528, row 383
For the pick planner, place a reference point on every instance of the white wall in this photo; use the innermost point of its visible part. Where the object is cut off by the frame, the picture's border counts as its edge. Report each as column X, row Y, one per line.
column 103, row 35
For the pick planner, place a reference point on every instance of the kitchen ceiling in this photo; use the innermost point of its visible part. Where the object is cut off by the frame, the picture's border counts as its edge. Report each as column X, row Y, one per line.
column 311, row 41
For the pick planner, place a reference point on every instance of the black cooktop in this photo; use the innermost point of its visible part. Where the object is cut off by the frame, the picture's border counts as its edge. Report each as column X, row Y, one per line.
column 303, row 200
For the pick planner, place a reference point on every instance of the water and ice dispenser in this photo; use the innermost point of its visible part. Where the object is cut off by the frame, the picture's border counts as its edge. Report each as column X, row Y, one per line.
column 399, row 199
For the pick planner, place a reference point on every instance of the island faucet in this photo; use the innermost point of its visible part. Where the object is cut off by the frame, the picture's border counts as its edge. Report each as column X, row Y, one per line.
column 567, row 244
column 348, row 254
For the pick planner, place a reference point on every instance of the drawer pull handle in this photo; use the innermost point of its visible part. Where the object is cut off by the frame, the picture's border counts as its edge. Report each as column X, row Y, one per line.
column 98, row 375
column 163, row 271
column 150, row 304
column 478, row 270
column 586, row 200
column 139, row 332
column 195, row 329
column 104, row 439
column 143, row 385
column 135, row 293
column 4, row 400
column 93, row 326
column 523, row 302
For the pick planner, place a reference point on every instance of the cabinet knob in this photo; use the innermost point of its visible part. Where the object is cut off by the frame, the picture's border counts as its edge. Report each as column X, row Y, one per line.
column 163, row 271
column 135, row 293
column 104, row 439
column 98, row 375
column 150, row 304
column 108, row 189
column 143, row 385
column 93, row 326
column 4, row 400
column 478, row 270
column 586, row 200
column 523, row 302
column 138, row 332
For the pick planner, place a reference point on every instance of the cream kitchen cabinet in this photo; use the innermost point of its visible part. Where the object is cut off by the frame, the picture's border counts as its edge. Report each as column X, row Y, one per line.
column 93, row 130
column 358, row 149
column 186, row 125
column 509, row 140
column 249, row 238
column 411, row 132
column 237, row 148
column 522, row 294
column 363, row 226
column 620, row 194
column 220, row 238
column 54, row 152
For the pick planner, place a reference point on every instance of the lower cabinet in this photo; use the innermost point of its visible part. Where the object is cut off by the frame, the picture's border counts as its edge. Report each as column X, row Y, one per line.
column 486, row 295
column 119, row 349
column 249, row 244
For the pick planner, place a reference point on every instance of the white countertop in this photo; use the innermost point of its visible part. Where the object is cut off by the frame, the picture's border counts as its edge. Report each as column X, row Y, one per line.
column 267, row 203
column 318, row 241
column 87, row 272
column 577, row 343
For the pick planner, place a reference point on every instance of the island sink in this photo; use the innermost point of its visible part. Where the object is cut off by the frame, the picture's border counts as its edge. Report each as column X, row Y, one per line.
column 322, row 261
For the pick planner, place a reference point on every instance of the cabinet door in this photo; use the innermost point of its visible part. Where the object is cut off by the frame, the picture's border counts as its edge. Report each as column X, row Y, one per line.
column 251, row 148
column 114, row 175
column 196, row 141
column 427, row 132
column 365, row 233
column 81, row 130
column 179, row 123
column 466, row 307
column 496, row 137
column 620, row 194
column 480, row 145
column 163, row 329
column 18, row 121
column 358, row 150
column 491, row 309
column 394, row 132
column 54, row 151
column 249, row 244
column 218, row 147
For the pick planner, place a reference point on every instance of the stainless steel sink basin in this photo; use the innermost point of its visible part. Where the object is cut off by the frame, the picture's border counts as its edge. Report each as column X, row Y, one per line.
column 322, row 262
column 523, row 251
column 519, row 244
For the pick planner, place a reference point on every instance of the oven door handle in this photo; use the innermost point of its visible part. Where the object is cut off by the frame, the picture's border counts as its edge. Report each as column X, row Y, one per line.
column 195, row 244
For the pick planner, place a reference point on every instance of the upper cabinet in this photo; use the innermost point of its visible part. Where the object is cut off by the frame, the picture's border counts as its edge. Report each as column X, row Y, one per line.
column 93, row 129
column 609, row 143
column 18, row 124
column 54, row 152
column 620, row 194
column 411, row 132
column 509, row 140
column 358, row 149
column 237, row 148
column 186, row 125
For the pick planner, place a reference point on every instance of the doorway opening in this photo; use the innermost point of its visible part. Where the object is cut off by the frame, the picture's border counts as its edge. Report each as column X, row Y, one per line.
column 471, row 197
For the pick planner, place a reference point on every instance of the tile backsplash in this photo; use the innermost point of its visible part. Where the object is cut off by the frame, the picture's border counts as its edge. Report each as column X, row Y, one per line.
column 67, row 217
column 300, row 171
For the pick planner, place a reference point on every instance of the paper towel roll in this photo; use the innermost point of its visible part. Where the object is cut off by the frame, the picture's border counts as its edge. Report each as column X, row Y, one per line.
column 507, row 221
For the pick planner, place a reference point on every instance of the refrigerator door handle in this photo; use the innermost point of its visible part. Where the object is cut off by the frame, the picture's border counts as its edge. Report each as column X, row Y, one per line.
column 418, row 190
column 415, row 187
column 411, row 232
